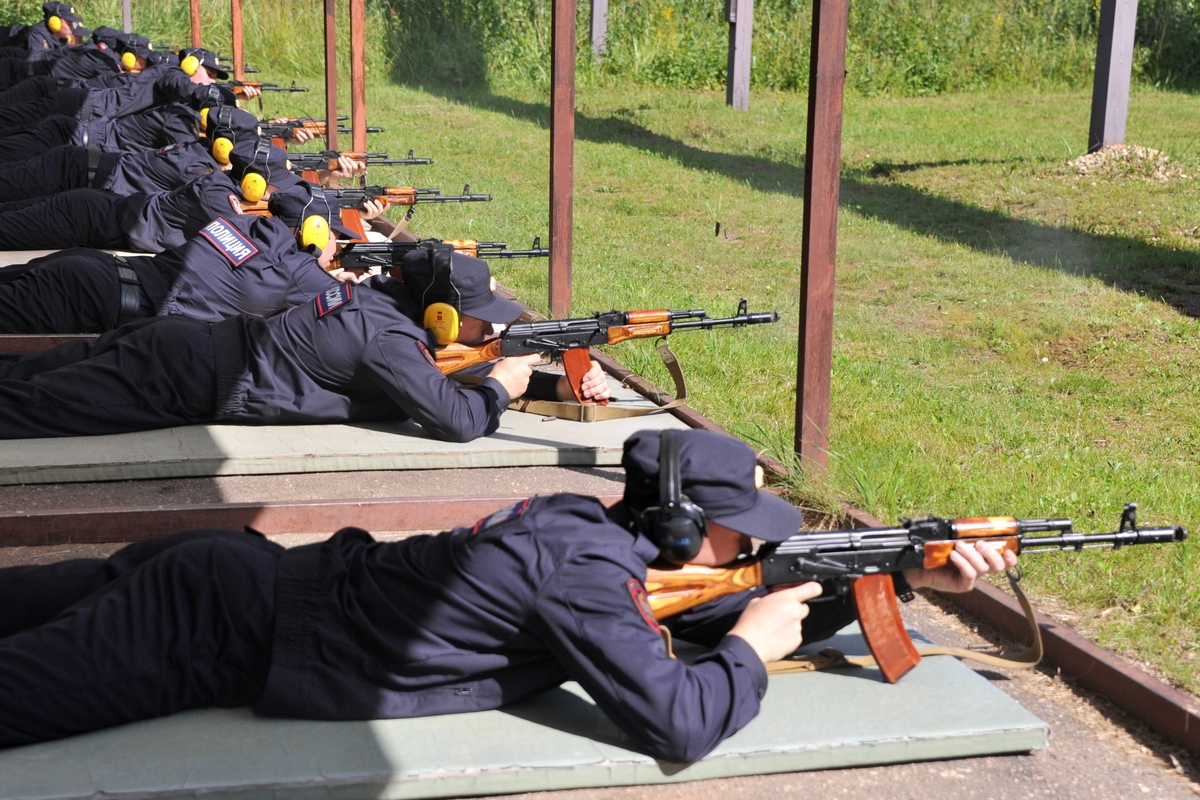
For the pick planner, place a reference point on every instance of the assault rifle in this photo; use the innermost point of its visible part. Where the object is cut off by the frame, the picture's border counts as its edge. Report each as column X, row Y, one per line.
column 569, row 339
column 239, row 87
column 402, row 196
column 860, row 563
column 328, row 159
column 280, row 129
column 388, row 255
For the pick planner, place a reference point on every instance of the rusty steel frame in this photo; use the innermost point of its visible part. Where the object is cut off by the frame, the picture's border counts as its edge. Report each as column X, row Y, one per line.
column 822, row 174
column 238, row 36
column 358, row 74
column 194, row 14
column 562, row 154
column 331, row 132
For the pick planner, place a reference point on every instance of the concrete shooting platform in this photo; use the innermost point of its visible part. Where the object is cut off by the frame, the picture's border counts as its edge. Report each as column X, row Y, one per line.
column 207, row 450
column 554, row 740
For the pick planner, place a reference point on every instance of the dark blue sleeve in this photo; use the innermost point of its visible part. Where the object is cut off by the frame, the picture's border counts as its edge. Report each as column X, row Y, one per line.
column 447, row 409
column 587, row 615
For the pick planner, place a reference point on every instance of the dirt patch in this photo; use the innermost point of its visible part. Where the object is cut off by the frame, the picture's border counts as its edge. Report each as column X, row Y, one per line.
column 1123, row 161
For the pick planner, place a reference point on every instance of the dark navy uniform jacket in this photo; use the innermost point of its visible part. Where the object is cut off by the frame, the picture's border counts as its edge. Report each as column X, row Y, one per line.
column 471, row 619
column 352, row 353
column 235, row 265
column 39, row 41
column 161, row 220
column 160, row 170
column 151, row 129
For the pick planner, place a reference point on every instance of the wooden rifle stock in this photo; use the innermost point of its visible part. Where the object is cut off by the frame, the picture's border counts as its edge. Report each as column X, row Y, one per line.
column 455, row 357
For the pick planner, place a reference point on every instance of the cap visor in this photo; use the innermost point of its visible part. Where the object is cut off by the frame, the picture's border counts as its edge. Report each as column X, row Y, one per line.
column 221, row 74
column 770, row 518
column 342, row 231
column 497, row 310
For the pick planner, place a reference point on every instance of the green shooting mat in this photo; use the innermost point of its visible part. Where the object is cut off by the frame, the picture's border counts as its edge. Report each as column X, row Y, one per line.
column 523, row 440
column 554, row 740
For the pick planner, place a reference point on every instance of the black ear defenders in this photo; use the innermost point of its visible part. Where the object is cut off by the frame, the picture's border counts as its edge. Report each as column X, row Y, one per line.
column 677, row 525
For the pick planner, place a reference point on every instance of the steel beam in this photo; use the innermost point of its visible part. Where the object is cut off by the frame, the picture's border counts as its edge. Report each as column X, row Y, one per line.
column 1114, row 69
column 822, row 174
column 740, row 16
column 331, row 75
column 599, row 26
column 358, row 75
column 194, row 9
column 236, row 33
column 562, row 154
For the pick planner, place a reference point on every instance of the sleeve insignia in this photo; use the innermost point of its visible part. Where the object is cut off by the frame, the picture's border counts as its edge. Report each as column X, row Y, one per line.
column 641, row 601
column 500, row 517
column 333, row 298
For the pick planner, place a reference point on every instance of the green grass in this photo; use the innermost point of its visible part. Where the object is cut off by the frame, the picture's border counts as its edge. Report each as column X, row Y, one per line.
column 1010, row 338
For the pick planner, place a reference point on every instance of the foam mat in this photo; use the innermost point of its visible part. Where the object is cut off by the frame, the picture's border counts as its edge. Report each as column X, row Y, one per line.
column 555, row 740
column 523, row 440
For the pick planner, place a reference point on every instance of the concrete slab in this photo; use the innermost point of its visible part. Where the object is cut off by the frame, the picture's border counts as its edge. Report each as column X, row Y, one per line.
column 200, row 450
column 555, row 740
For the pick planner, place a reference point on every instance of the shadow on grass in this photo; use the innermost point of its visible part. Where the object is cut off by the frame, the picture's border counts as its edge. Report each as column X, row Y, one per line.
column 1128, row 263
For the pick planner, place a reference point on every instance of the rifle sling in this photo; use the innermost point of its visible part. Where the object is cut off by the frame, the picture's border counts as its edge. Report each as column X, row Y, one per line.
column 591, row 412
column 829, row 657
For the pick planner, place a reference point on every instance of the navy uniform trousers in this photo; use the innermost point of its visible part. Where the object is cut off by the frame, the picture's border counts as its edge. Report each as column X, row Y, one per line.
column 184, row 621
column 73, row 291
column 78, row 218
column 59, row 169
column 152, row 373
column 23, row 142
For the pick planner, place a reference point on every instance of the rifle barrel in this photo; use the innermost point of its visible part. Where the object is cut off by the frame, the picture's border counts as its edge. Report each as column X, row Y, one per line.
column 1089, row 541
column 706, row 323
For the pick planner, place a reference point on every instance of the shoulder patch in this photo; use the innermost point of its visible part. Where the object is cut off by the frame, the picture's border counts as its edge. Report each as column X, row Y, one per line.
column 500, row 517
column 170, row 147
column 229, row 241
column 235, row 204
column 641, row 601
column 425, row 352
column 333, row 298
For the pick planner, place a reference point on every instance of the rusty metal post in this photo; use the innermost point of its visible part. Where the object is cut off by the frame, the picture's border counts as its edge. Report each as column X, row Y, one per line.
column 239, row 50
column 822, row 174
column 562, row 154
column 126, row 16
column 358, row 74
column 195, row 15
column 331, row 75
column 740, row 15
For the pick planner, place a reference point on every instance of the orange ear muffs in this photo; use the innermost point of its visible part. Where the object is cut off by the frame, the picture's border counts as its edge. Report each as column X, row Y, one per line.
column 315, row 232
column 190, row 65
column 254, row 186
column 129, row 61
column 221, row 149
column 441, row 319
column 54, row 24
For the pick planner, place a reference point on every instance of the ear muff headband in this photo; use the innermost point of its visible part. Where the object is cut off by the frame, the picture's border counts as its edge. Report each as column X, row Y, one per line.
column 677, row 526
column 190, row 65
column 443, row 320
column 54, row 23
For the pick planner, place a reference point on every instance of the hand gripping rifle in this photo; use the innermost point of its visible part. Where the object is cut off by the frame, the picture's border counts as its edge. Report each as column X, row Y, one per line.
column 389, row 255
column 861, row 562
column 402, row 196
column 239, row 87
column 569, row 339
column 277, row 130
column 328, row 159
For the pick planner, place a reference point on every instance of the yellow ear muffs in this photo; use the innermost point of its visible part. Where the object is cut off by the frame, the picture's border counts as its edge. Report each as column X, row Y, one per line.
column 254, row 186
column 129, row 61
column 315, row 232
column 190, row 65
column 54, row 24
column 204, row 119
column 221, row 149
column 441, row 319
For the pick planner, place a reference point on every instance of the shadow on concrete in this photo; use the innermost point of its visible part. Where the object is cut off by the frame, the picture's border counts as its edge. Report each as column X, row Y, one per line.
column 1127, row 263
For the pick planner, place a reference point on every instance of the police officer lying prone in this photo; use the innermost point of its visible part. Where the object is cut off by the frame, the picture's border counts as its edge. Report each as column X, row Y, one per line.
column 548, row 590
column 355, row 352
column 237, row 265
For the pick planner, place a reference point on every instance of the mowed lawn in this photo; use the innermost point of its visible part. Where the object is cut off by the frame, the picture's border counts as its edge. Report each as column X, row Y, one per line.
column 1012, row 337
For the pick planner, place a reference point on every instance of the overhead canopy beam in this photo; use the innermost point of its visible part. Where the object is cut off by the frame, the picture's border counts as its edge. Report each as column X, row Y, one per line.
column 562, row 154
column 1114, row 69
column 358, row 75
column 331, row 125
column 822, row 175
